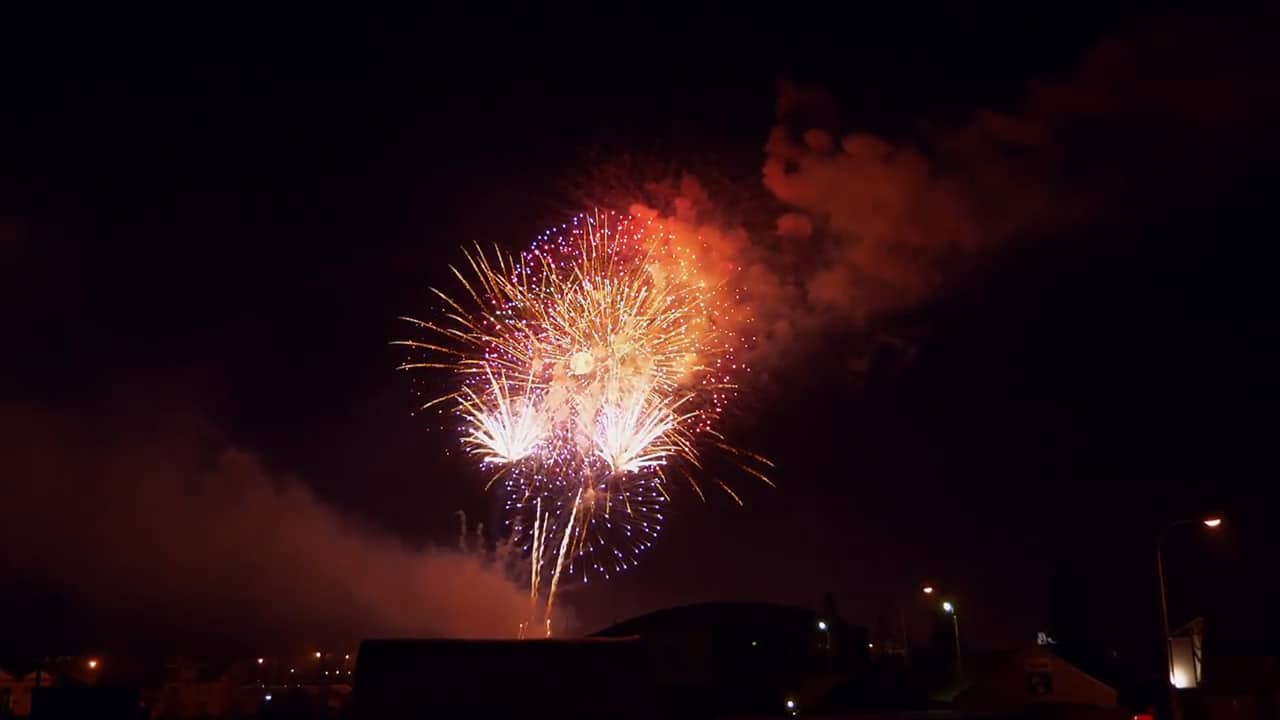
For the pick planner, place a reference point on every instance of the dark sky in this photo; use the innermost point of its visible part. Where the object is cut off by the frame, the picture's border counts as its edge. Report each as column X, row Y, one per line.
column 210, row 225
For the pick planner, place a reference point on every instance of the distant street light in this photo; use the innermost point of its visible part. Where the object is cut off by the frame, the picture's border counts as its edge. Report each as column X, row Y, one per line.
column 950, row 609
column 1211, row 523
column 902, row 619
column 93, row 664
column 260, row 661
column 826, row 640
column 317, row 653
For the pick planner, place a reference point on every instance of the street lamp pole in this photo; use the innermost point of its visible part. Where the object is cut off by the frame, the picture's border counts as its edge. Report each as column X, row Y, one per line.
column 906, row 641
column 1175, row 712
column 955, row 625
column 950, row 609
column 906, row 638
column 1164, row 621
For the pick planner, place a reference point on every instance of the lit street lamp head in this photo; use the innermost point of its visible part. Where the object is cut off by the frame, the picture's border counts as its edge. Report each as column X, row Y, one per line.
column 1212, row 522
column 947, row 607
column 822, row 625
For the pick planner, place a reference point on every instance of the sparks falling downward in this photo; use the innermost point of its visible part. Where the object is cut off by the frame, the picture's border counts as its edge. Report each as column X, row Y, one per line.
column 590, row 367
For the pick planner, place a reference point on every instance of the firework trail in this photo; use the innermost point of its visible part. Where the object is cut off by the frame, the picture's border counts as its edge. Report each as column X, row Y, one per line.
column 589, row 370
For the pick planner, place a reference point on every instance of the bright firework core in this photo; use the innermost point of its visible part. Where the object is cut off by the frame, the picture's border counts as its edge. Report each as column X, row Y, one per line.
column 591, row 368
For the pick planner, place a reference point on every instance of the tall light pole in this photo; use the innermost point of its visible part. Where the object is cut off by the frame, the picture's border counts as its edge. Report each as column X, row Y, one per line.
column 950, row 609
column 902, row 616
column 825, row 629
column 1211, row 523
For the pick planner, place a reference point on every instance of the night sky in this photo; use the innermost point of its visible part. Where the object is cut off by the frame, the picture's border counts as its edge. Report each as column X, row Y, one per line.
column 208, row 228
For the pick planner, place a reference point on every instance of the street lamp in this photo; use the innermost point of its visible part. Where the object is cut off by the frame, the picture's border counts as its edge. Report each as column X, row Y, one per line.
column 902, row 618
column 823, row 627
column 1212, row 522
column 950, row 609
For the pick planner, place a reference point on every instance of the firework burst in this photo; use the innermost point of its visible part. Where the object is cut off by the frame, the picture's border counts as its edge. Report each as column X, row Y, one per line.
column 589, row 369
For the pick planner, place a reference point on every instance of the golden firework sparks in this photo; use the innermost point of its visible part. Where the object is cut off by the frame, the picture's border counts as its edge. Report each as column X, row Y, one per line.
column 589, row 367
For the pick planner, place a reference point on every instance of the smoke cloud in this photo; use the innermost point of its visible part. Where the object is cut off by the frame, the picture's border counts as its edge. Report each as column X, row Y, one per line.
column 165, row 518
column 870, row 227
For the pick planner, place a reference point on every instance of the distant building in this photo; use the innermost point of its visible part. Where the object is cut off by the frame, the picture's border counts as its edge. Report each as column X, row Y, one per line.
column 748, row 657
column 1236, row 688
column 1034, row 679
column 15, row 691
column 588, row 678
column 191, row 691
column 246, row 687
